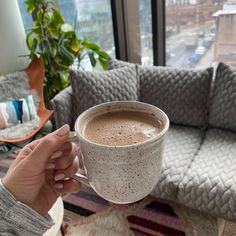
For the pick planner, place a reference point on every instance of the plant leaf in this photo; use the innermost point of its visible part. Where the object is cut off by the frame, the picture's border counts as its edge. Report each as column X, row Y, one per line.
column 103, row 54
column 66, row 28
column 66, row 54
column 91, row 46
column 30, row 8
column 57, row 18
column 103, row 63
column 75, row 45
column 29, row 40
column 64, row 75
column 92, row 59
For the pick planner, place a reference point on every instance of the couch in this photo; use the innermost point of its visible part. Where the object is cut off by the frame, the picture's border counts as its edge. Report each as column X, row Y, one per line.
column 199, row 168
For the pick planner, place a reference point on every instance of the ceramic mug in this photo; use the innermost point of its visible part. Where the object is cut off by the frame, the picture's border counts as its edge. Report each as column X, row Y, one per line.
column 121, row 174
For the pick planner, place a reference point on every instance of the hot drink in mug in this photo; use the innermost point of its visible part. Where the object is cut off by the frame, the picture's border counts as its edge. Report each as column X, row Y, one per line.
column 121, row 145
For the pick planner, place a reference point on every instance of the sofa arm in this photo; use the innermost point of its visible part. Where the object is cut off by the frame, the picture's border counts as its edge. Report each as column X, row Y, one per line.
column 62, row 106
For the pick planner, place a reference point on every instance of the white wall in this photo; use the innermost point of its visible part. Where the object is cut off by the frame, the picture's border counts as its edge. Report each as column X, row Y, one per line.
column 12, row 38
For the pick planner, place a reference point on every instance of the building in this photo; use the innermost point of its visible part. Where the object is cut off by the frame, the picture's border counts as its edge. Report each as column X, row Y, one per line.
column 181, row 13
column 225, row 41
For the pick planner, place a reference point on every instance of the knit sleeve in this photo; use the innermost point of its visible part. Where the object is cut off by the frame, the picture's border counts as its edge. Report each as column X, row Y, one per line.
column 18, row 219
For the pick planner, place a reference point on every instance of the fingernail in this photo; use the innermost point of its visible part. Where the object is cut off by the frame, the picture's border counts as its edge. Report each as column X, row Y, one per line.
column 55, row 155
column 59, row 176
column 63, row 131
column 58, row 185
column 50, row 166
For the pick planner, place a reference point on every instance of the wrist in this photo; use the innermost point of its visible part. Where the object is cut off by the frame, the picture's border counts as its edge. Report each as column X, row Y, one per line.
column 23, row 218
column 9, row 189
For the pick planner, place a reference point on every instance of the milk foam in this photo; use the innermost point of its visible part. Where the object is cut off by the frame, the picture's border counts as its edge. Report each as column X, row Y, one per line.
column 122, row 128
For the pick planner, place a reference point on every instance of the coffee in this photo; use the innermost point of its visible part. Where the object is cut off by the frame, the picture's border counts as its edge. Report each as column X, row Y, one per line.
column 128, row 173
column 122, row 128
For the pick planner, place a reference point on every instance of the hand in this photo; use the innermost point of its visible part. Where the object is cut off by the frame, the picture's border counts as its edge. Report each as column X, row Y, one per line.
column 43, row 170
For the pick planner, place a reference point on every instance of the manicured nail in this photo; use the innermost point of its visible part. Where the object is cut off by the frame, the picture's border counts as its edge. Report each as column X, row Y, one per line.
column 55, row 155
column 59, row 176
column 63, row 131
column 58, row 185
column 50, row 166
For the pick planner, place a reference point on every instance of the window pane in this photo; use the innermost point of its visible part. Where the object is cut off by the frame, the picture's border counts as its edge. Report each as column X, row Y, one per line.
column 68, row 10
column 198, row 33
column 93, row 21
column 26, row 17
column 146, row 32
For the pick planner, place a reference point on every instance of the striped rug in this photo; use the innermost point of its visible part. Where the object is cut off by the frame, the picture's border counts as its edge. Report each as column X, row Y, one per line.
column 148, row 217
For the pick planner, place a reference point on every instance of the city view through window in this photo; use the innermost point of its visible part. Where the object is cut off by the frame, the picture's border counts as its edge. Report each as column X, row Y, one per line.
column 200, row 32
column 145, row 16
column 94, row 21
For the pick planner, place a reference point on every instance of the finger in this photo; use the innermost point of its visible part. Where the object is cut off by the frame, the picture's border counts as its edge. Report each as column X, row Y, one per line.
column 66, row 159
column 67, row 186
column 67, row 173
column 62, row 158
column 65, row 149
column 48, row 145
column 33, row 144
column 28, row 148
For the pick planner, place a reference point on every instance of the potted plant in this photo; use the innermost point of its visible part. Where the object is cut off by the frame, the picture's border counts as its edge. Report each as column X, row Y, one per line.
column 58, row 45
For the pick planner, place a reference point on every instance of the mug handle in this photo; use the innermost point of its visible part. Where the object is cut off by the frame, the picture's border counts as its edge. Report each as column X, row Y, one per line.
column 83, row 179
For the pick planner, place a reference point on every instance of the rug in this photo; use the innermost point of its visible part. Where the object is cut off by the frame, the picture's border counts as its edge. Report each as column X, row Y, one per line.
column 147, row 217
column 87, row 214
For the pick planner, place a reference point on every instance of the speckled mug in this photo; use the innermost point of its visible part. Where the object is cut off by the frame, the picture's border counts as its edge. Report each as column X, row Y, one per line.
column 121, row 174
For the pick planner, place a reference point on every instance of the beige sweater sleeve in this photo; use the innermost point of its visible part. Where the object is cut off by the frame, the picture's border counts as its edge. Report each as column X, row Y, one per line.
column 18, row 219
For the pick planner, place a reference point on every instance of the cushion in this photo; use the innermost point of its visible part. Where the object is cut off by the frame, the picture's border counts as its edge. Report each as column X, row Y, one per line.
column 182, row 94
column 223, row 107
column 17, row 111
column 94, row 87
column 210, row 182
column 114, row 64
column 181, row 146
column 15, row 87
column 63, row 108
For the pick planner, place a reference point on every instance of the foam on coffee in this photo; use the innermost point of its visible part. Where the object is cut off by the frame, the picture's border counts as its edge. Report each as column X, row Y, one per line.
column 122, row 128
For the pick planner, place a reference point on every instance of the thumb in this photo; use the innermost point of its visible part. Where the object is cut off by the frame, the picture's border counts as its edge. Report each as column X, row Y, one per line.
column 48, row 145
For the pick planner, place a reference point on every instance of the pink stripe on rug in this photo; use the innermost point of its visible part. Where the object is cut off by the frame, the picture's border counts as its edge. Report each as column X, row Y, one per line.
column 161, row 218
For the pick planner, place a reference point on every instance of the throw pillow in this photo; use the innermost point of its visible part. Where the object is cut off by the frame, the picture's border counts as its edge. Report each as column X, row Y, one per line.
column 115, row 64
column 92, row 88
column 16, row 86
column 17, row 112
column 223, row 105
column 182, row 94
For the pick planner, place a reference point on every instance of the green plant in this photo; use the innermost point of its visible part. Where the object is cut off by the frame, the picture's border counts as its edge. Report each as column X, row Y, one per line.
column 58, row 45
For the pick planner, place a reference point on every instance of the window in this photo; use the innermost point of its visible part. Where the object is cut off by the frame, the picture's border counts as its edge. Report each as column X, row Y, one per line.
column 91, row 18
column 187, row 33
column 196, row 33
column 68, row 10
column 146, row 32
column 93, row 21
column 26, row 17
